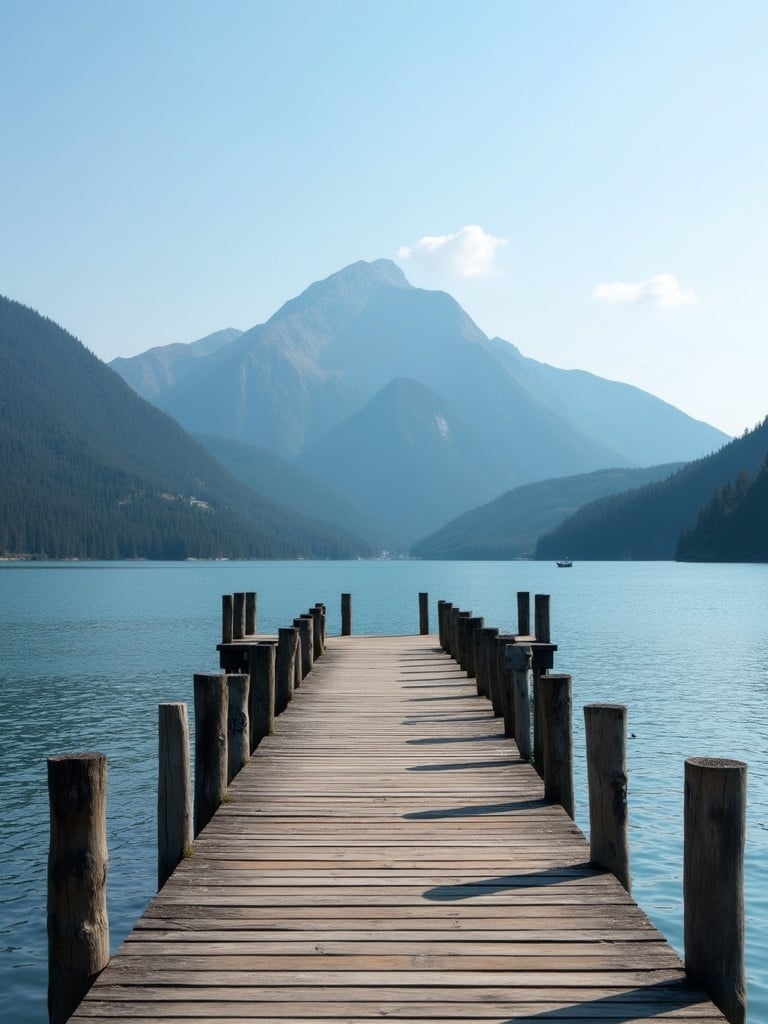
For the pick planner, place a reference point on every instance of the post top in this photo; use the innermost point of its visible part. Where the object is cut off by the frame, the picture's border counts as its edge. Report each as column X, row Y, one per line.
column 92, row 756
column 716, row 763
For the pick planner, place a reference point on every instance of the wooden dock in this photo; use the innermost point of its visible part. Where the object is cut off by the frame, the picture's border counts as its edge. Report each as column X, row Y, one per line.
column 387, row 855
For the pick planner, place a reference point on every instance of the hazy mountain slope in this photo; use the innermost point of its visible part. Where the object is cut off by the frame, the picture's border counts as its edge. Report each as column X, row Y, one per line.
column 88, row 469
column 406, row 455
column 733, row 526
column 646, row 523
column 282, row 481
column 509, row 526
column 641, row 427
column 159, row 369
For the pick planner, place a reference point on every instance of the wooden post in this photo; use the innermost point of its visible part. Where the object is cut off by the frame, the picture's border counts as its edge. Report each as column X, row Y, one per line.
column 261, row 668
column 174, row 790
column 78, row 929
column 442, row 612
column 520, row 659
column 713, row 880
column 535, row 701
column 472, row 623
column 306, row 643
column 523, row 613
column 346, row 615
column 226, row 618
column 285, row 668
column 606, row 742
column 541, row 618
column 238, row 730
column 317, row 631
column 557, row 746
column 504, row 684
column 251, row 613
column 238, row 616
column 323, row 622
column 453, row 615
column 211, row 700
column 424, row 614
column 485, row 643
column 461, row 639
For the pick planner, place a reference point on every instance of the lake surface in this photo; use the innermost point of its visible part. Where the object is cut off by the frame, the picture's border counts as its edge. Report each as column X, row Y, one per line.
column 88, row 651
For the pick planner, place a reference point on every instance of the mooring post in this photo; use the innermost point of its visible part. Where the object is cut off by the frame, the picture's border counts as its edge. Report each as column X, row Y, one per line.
column 472, row 624
column 238, row 616
column 557, row 745
column 461, row 639
column 317, row 632
column 323, row 622
column 211, row 704
column 307, row 644
column 346, row 615
column 504, row 684
column 606, row 743
column 238, row 730
column 261, row 707
column 251, row 613
column 523, row 613
column 285, row 669
column 226, row 618
column 520, row 660
column 485, row 645
column 713, row 880
column 174, row 790
column 78, row 929
column 541, row 618
column 424, row 614
column 444, row 619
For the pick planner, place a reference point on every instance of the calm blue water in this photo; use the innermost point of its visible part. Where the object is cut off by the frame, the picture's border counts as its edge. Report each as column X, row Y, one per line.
column 87, row 651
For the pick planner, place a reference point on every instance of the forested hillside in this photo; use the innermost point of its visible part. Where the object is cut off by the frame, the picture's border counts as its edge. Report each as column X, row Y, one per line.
column 90, row 470
column 646, row 523
column 733, row 527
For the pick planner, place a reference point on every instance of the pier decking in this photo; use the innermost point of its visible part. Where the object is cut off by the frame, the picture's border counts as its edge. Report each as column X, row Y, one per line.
column 387, row 854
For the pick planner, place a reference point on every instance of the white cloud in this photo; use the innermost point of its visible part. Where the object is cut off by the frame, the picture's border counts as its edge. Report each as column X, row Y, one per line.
column 661, row 290
column 468, row 253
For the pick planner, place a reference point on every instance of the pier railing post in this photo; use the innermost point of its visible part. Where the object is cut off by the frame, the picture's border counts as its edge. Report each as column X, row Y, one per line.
column 238, row 731
column 317, row 631
column 285, row 668
column 606, row 743
column 442, row 608
column 541, row 618
column 174, row 790
column 424, row 614
column 251, row 613
column 261, row 669
column 520, row 659
column 346, row 615
column 523, row 613
column 211, row 703
column 471, row 625
column 557, row 745
column 713, row 880
column 238, row 616
column 78, row 929
column 504, row 684
column 226, row 618
column 485, row 645
column 305, row 626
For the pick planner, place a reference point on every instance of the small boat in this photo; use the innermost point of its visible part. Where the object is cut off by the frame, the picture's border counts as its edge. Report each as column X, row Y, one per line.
column 564, row 563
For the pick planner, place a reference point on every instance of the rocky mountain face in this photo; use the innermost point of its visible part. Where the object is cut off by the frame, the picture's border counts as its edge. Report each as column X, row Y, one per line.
column 394, row 396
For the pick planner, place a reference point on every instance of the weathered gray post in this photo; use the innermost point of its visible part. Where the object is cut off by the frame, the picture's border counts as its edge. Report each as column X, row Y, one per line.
column 174, row 790
column 238, row 616
column 520, row 660
column 472, row 623
column 606, row 742
column 78, row 929
column 445, row 625
column 323, row 622
column 557, row 746
column 504, row 685
column 424, row 614
column 226, row 618
column 523, row 613
column 251, row 613
column 452, row 619
column 306, row 643
column 211, row 702
column 485, row 645
column 238, row 730
column 461, row 639
column 346, row 615
column 541, row 618
column 317, row 631
column 713, row 880
column 285, row 668
column 496, row 672
column 261, row 668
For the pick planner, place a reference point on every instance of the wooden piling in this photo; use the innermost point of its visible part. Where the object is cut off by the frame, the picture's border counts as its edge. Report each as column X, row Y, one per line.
column 251, row 613
column 211, row 702
column 557, row 745
column 523, row 613
column 238, row 616
column 238, row 731
column 306, row 643
column 424, row 614
column 606, row 744
column 713, row 880
column 504, row 684
column 317, row 631
column 226, row 618
column 443, row 608
column 471, row 624
column 460, row 639
column 485, row 643
column 174, row 790
column 541, row 618
column 285, row 668
column 78, row 929
column 346, row 615
column 520, row 660
column 261, row 706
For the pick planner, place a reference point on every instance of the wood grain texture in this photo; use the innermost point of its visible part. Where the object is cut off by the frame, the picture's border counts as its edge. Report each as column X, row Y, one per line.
column 387, row 853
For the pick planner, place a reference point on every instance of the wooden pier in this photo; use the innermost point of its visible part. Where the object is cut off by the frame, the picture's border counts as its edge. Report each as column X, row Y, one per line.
column 386, row 854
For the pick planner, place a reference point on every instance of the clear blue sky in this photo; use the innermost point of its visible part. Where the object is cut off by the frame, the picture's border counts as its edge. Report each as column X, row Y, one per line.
column 588, row 178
